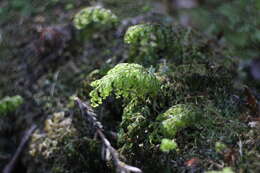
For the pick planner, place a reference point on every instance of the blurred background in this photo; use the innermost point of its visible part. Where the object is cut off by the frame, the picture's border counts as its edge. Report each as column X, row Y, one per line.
column 234, row 23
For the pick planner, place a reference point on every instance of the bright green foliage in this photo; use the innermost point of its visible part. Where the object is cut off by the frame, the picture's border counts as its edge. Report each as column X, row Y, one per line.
column 178, row 117
column 225, row 170
column 129, row 81
column 220, row 147
column 168, row 145
column 148, row 41
column 9, row 104
column 93, row 19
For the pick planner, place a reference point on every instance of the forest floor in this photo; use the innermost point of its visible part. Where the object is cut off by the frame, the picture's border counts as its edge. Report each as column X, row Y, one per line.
column 43, row 61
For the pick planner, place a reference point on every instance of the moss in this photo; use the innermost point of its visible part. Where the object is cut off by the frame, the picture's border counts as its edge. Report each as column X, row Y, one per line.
column 194, row 85
column 94, row 19
column 135, row 121
column 178, row 117
column 59, row 145
column 198, row 82
column 191, row 80
column 198, row 92
column 148, row 42
column 10, row 104
column 220, row 147
column 168, row 145
column 192, row 70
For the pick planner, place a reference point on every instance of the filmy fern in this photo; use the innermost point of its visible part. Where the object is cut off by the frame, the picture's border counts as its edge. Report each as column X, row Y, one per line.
column 128, row 81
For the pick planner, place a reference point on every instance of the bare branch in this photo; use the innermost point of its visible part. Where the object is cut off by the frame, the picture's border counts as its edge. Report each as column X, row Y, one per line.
column 87, row 111
column 11, row 165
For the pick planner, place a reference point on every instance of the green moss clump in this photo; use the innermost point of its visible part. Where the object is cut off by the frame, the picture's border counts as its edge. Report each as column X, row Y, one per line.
column 148, row 42
column 178, row 117
column 151, row 42
column 132, row 82
column 10, row 104
column 168, row 145
column 94, row 19
column 220, row 147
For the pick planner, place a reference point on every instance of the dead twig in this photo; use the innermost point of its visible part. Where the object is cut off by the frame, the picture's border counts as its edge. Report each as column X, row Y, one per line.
column 87, row 111
column 11, row 165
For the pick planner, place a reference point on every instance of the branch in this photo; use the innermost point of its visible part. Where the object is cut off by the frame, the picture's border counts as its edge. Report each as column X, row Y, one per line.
column 11, row 165
column 87, row 111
